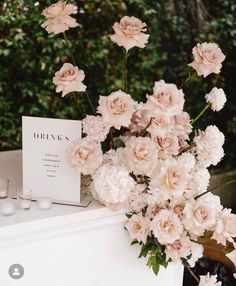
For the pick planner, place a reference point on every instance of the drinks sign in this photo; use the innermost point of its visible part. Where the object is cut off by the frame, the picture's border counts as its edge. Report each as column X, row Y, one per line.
column 46, row 170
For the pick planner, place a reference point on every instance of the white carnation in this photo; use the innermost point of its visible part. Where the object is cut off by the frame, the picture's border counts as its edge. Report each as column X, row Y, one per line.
column 187, row 160
column 95, row 128
column 113, row 185
column 209, row 146
column 199, row 183
column 216, row 98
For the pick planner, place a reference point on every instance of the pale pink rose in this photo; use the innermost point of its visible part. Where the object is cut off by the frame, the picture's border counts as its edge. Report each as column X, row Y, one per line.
column 177, row 206
column 180, row 248
column 166, row 227
column 69, row 79
column 140, row 120
column 232, row 256
column 171, row 178
column 208, row 59
column 200, row 215
column 167, row 99
column 209, row 280
column 112, row 186
column 117, row 109
column 138, row 228
column 182, row 125
column 58, row 18
column 168, row 145
column 225, row 227
column 216, row 98
column 160, row 125
column 140, row 155
column 129, row 33
column 86, row 155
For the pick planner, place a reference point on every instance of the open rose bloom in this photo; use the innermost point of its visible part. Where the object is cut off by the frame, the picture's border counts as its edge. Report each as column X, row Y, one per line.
column 58, row 18
column 146, row 156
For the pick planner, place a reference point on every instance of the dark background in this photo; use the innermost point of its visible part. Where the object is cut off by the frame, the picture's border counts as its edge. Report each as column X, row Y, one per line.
column 29, row 58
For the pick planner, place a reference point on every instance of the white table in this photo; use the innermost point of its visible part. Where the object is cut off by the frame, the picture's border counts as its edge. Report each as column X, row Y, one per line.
column 71, row 246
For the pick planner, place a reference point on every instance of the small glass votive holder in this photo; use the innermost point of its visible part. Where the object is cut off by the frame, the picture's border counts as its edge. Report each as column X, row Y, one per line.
column 24, row 198
column 4, row 186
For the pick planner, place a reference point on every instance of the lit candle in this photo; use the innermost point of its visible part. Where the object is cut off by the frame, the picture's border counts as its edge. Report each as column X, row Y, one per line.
column 3, row 193
column 24, row 204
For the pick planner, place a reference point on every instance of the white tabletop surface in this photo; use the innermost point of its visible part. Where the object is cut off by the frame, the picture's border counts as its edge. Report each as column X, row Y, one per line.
column 11, row 168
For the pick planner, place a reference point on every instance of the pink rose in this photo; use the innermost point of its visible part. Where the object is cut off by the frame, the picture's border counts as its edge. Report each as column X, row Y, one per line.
column 117, row 109
column 86, row 155
column 129, row 33
column 168, row 146
column 140, row 120
column 167, row 99
column 166, row 227
column 207, row 59
column 171, row 178
column 69, row 79
column 58, row 18
column 140, row 155
column 182, row 125
column 225, row 227
column 138, row 228
column 180, row 248
column 160, row 125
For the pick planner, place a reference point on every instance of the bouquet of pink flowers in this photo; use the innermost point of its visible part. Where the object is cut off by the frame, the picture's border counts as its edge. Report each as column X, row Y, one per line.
column 146, row 157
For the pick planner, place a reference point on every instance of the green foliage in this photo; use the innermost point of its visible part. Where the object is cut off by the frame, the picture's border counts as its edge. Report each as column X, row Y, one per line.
column 29, row 58
column 155, row 253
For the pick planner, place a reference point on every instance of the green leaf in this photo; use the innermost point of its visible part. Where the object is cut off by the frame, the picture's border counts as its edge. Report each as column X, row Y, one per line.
column 118, row 144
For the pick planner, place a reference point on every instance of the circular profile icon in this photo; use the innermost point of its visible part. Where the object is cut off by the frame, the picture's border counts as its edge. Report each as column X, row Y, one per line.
column 16, row 271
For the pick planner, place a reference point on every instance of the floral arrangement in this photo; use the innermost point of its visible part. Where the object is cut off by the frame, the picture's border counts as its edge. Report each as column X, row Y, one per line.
column 146, row 156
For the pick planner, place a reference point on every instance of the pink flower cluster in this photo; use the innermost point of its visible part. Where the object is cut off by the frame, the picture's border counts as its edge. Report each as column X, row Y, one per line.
column 141, row 157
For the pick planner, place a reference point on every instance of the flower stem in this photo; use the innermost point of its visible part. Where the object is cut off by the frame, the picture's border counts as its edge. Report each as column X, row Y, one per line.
column 125, row 71
column 90, row 102
column 216, row 187
column 69, row 49
column 192, row 273
column 190, row 76
column 201, row 113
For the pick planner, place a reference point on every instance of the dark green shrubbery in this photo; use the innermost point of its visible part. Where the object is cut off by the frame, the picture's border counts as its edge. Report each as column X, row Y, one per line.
column 29, row 58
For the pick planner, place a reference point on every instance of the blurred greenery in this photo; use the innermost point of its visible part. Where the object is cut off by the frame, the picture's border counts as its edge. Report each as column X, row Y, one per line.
column 29, row 58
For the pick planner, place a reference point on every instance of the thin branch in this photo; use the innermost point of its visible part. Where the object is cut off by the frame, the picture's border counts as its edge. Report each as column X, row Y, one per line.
column 216, row 187
column 192, row 273
column 201, row 113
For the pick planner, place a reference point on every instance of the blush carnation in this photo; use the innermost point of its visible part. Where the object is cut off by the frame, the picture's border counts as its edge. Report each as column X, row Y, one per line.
column 197, row 252
column 137, row 198
column 112, row 186
column 129, row 33
column 117, row 109
column 209, row 146
column 166, row 227
column 58, row 18
column 209, row 280
column 208, row 59
column 86, row 155
column 95, row 128
column 167, row 99
column 138, row 228
column 216, row 98
column 69, row 79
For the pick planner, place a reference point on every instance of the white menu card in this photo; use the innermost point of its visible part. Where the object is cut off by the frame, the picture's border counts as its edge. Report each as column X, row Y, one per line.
column 46, row 169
